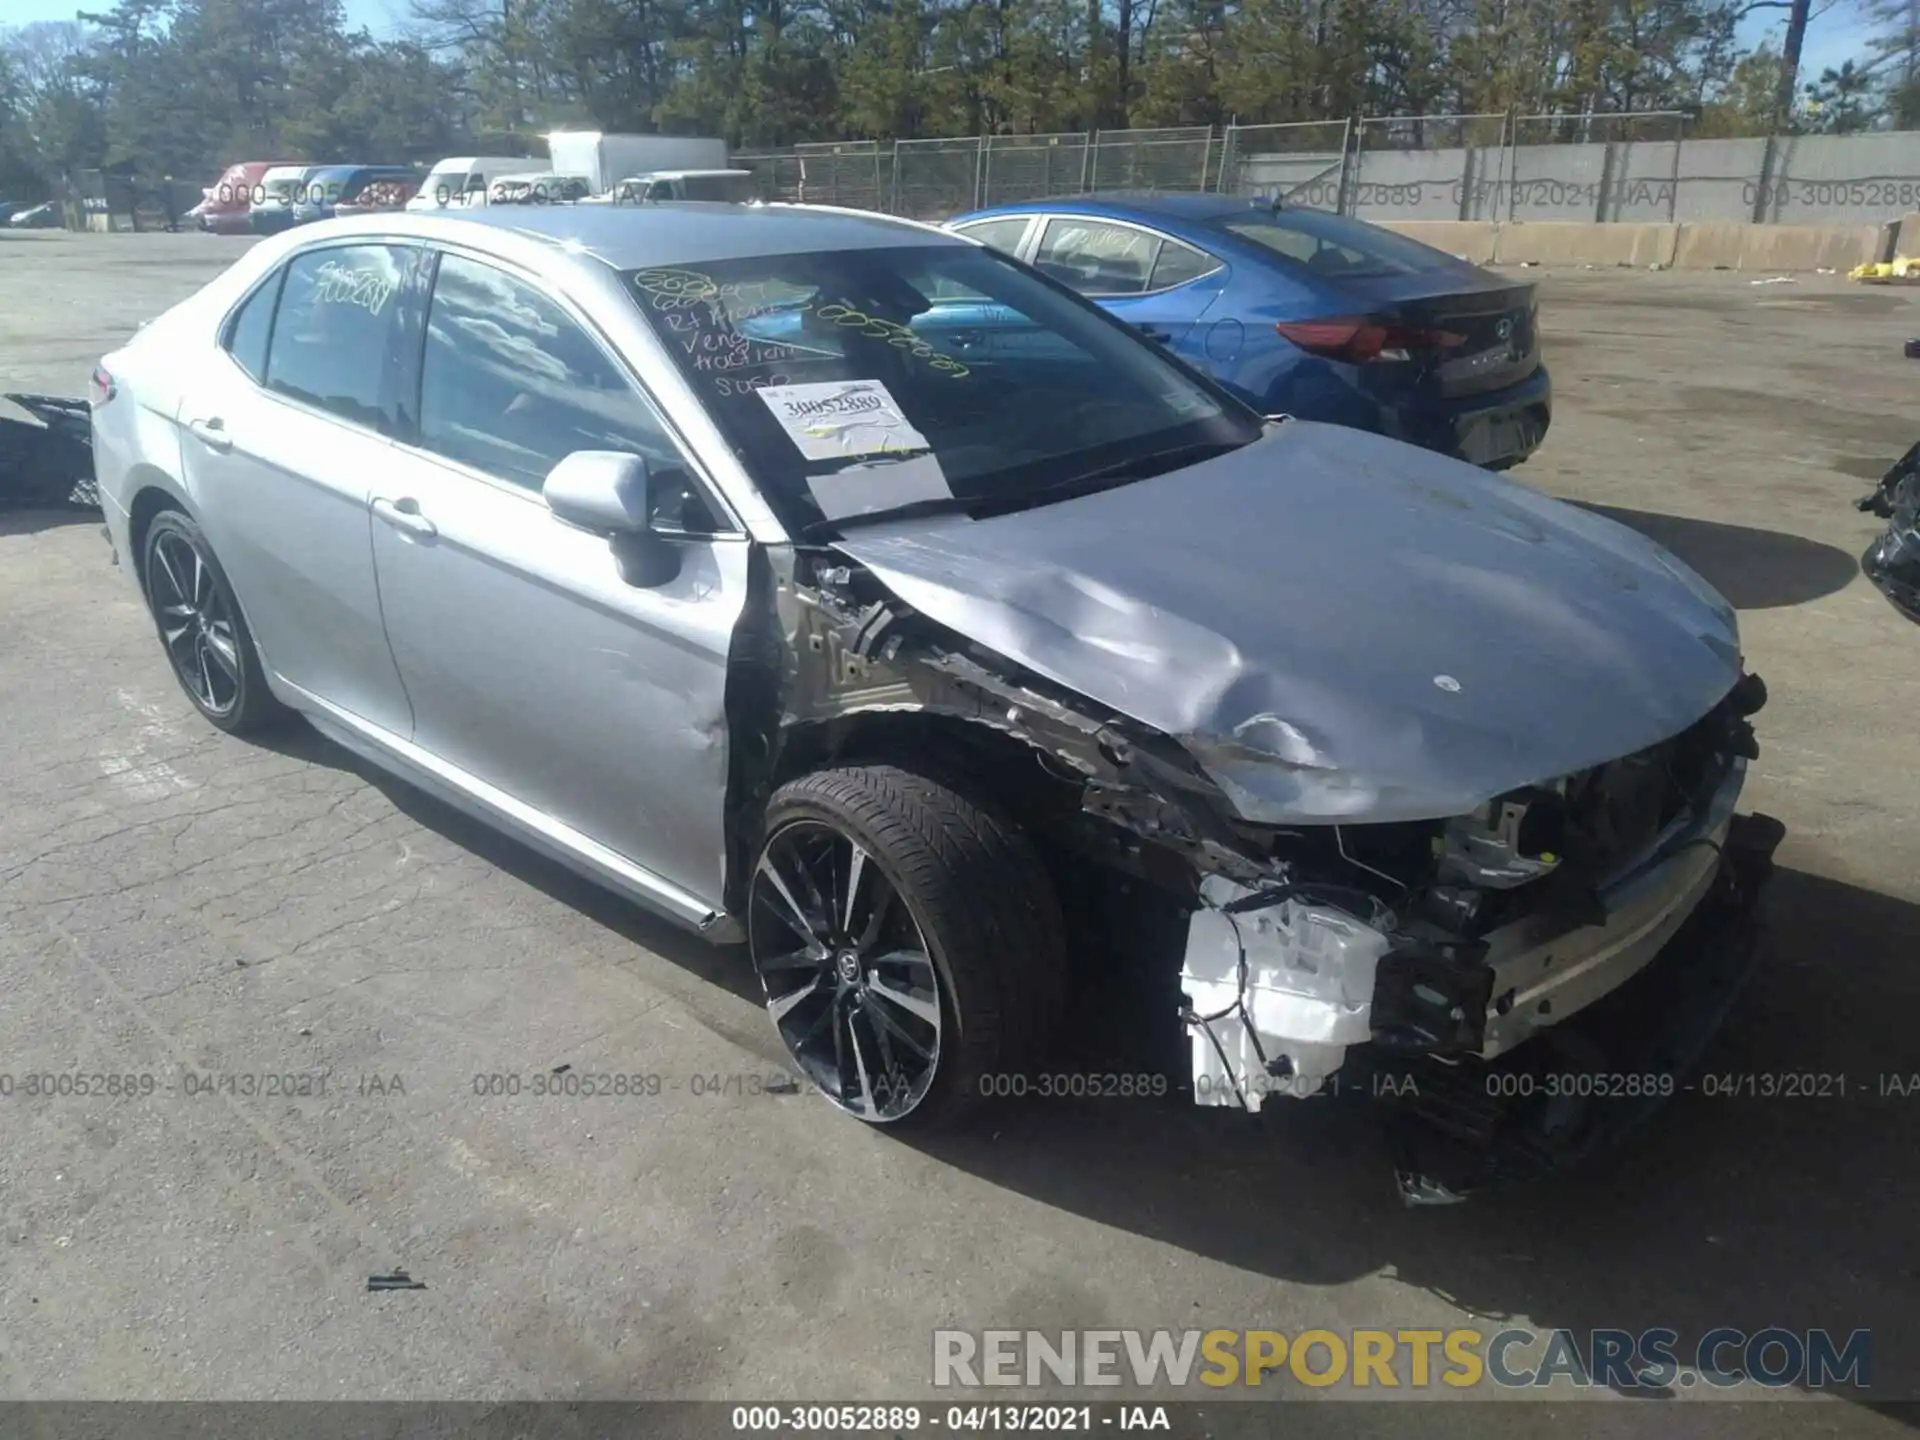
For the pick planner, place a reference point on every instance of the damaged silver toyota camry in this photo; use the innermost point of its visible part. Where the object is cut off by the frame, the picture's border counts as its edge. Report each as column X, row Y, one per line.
column 845, row 587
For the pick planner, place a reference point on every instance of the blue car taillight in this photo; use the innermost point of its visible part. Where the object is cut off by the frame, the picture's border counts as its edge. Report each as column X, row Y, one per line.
column 1360, row 339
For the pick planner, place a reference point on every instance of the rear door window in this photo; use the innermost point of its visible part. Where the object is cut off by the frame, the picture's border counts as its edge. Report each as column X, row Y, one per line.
column 1097, row 257
column 334, row 328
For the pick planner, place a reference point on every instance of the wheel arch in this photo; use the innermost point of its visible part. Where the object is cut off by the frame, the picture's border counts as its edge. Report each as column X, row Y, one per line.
column 974, row 759
column 153, row 491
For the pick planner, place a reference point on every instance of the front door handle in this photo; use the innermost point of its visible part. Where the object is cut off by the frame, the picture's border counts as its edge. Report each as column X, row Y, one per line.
column 212, row 433
column 404, row 514
column 1154, row 333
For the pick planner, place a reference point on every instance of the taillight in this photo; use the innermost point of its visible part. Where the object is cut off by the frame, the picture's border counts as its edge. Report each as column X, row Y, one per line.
column 1357, row 340
column 100, row 387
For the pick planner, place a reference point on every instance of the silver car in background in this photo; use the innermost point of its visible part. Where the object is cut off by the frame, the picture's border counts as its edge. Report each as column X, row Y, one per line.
column 831, row 583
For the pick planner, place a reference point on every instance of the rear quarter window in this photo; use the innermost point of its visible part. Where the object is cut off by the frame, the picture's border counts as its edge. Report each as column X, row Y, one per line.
column 250, row 326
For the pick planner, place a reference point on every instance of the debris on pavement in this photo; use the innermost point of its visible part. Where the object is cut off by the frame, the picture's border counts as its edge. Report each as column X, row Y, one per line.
column 46, row 452
column 1902, row 269
column 1774, row 280
column 398, row 1280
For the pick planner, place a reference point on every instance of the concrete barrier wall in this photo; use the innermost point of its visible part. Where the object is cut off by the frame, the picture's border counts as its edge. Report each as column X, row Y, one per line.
column 1780, row 247
column 1560, row 242
column 1770, row 248
column 1811, row 180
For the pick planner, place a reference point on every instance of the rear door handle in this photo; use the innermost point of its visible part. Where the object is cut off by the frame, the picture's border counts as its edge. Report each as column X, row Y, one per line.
column 212, row 433
column 1155, row 333
column 404, row 514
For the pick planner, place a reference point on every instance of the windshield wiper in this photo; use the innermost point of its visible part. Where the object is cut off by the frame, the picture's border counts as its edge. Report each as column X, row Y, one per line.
column 1104, row 477
column 1133, row 467
column 910, row 510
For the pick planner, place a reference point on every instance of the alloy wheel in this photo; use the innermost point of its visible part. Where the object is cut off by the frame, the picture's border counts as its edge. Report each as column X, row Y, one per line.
column 850, row 982
column 195, row 623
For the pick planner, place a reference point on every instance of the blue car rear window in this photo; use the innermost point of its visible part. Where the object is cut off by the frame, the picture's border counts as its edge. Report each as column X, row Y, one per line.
column 1333, row 246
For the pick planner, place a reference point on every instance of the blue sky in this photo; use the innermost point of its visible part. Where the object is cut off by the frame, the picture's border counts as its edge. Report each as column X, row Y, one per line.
column 1833, row 37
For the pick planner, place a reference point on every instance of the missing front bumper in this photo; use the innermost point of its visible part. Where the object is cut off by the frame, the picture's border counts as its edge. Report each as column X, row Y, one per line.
column 1457, row 1127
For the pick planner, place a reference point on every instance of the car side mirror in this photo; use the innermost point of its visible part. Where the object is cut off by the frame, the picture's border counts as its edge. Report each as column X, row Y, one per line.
column 609, row 492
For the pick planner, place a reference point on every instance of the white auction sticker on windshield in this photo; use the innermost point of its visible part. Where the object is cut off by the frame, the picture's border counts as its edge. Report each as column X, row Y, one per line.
column 832, row 419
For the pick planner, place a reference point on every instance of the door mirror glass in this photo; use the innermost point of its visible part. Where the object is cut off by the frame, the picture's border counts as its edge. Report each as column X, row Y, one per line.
column 604, row 491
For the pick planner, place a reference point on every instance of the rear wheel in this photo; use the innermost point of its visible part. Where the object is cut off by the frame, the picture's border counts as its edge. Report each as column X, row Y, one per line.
column 907, row 940
column 201, row 627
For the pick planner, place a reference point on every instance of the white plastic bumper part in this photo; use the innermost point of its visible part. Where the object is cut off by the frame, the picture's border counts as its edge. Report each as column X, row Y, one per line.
column 1307, row 996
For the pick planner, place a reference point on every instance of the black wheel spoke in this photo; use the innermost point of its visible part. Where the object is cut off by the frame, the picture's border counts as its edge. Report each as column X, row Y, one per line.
column 891, row 1030
column 224, row 653
column 865, row 1030
column 194, row 625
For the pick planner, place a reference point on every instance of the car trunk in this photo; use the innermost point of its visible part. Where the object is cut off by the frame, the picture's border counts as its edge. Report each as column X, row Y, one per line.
column 1497, row 322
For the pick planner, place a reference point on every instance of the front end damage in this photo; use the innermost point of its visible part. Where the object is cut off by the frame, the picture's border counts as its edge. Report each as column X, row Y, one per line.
column 1407, row 961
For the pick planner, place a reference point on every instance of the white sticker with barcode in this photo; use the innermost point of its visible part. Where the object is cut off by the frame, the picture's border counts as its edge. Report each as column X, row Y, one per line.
column 835, row 418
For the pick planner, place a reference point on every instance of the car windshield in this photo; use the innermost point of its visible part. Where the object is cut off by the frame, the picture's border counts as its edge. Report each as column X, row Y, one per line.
column 1333, row 245
column 864, row 383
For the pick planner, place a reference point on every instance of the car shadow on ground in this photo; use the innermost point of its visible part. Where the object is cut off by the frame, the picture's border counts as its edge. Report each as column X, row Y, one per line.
column 1788, row 1197
column 1754, row 569
column 725, row 966
column 1752, row 1208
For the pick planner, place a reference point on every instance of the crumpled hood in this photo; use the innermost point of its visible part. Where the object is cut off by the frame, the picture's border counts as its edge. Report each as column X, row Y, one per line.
column 1337, row 626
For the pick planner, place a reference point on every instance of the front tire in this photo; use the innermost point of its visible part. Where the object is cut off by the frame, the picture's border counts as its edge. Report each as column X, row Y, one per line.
column 907, row 939
column 201, row 627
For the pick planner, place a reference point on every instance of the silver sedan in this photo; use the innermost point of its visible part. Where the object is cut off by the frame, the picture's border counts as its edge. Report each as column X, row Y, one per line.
column 838, row 585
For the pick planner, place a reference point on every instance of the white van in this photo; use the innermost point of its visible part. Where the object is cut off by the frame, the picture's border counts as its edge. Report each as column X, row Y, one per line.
column 465, row 179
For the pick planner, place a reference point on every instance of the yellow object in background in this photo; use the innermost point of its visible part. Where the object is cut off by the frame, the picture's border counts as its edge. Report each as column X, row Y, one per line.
column 1901, row 267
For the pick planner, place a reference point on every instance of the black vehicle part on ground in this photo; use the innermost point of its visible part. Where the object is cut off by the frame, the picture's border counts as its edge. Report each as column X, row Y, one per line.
column 1892, row 562
column 46, row 459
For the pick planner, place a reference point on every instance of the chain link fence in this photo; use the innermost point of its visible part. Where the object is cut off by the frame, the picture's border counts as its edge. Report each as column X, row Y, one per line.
column 1305, row 161
column 933, row 179
column 1032, row 167
column 1171, row 159
column 1627, row 167
column 1429, row 167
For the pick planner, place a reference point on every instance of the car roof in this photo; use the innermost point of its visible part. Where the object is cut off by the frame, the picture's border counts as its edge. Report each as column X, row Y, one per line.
column 676, row 231
column 331, row 172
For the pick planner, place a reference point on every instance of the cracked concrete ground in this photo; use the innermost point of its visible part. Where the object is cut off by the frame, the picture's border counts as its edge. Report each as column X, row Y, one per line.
column 176, row 903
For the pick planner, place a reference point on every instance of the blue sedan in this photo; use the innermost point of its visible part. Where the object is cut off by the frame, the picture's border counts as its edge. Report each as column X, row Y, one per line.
column 341, row 185
column 1305, row 313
